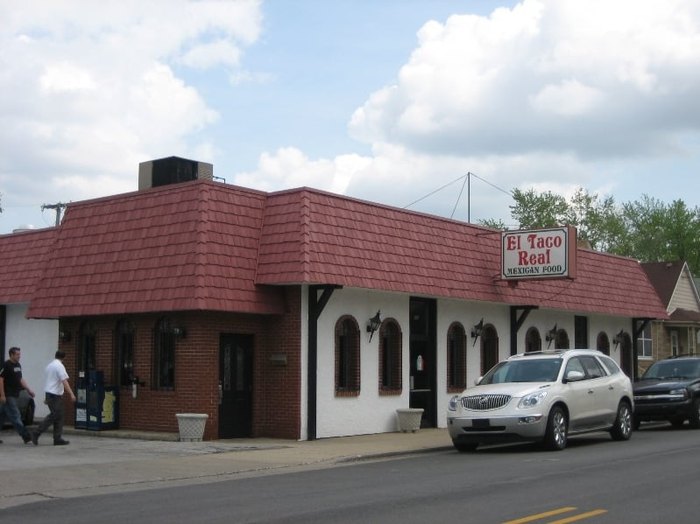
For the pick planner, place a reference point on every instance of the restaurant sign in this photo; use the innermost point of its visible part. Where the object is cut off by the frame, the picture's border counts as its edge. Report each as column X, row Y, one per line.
column 539, row 253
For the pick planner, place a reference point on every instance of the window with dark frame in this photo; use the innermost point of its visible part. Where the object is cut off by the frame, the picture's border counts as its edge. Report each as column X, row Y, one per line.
column 580, row 332
column 390, row 357
column 87, row 347
column 603, row 343
column 456, row 358
column 124, row 351
column 533, row 340
column 347, row 357
column 645, row 346
column 164, row 356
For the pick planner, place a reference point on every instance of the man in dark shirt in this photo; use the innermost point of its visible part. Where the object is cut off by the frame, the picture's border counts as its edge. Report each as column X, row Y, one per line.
column 11, row 383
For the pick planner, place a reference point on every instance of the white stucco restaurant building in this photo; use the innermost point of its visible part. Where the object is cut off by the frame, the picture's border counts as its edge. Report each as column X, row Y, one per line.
column 304, row 314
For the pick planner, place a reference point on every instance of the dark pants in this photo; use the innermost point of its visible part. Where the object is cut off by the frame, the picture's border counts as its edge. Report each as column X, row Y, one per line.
column 10, row 411
column 55, row 416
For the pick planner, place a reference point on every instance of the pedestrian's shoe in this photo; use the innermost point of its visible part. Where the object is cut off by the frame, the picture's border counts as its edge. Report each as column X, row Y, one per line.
column 0, row 441
column 60, row 442
column 35, row 438
column 27, row 438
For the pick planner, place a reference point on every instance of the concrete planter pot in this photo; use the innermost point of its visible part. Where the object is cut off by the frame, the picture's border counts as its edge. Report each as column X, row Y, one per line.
column 409, row 419
column 191, row 426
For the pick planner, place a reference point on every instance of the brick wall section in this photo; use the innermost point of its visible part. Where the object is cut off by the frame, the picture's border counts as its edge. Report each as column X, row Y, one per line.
column 276, row 388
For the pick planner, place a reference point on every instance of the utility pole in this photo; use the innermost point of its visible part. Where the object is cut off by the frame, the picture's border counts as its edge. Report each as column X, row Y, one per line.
column 59, row 207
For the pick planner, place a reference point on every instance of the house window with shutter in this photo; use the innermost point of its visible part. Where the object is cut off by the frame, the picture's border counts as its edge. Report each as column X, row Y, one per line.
column 644, row 343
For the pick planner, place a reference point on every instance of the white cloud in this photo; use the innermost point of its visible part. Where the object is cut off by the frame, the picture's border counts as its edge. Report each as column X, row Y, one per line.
column 212, row 54
column 568, row 98
column 547, row 75
column 91, row 88
column 65, row 77
column 289, row 167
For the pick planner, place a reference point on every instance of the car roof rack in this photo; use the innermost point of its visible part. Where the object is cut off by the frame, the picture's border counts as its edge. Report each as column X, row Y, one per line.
column 543, row 352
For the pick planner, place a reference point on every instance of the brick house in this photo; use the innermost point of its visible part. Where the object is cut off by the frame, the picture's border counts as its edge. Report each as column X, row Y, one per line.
column 256, row 308
column 680, row 332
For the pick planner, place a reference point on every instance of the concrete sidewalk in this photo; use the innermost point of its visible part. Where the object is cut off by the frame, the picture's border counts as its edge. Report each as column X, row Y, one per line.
column 121, row 460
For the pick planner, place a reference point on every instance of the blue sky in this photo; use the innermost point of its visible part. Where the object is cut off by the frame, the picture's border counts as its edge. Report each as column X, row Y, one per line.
column 380, row 100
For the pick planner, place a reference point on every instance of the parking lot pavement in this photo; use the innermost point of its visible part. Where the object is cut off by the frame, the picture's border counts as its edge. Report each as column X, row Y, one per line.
column 103, row 462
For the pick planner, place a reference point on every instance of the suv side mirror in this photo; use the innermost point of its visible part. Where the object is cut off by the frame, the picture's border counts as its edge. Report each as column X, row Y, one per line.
column 573, row 376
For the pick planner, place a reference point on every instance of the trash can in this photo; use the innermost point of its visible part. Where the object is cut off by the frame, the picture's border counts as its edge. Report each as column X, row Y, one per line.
column 191, row 426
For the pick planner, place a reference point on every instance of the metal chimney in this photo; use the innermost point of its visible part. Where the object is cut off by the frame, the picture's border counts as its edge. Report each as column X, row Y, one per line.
column 172, row 170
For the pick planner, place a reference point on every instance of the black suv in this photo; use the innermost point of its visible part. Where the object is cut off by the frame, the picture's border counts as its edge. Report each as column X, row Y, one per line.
column 669, row 390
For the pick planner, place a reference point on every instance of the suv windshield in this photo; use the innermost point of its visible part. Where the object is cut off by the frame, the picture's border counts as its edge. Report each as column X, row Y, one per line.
column 674, row 369
column 536, row 370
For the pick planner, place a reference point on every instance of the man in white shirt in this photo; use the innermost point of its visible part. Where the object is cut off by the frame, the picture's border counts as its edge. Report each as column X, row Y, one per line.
column 56, row 385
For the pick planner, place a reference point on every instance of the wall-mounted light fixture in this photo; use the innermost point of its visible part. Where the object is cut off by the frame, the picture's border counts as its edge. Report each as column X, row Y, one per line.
column 65, row 335
column 551, row 335
column 617, row 339
column 179, row 331
column 373, row 325
column 476, row 330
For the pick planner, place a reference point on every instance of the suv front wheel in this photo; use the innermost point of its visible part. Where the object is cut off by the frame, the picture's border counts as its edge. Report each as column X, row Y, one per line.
column 695, row 415
column 557, row 429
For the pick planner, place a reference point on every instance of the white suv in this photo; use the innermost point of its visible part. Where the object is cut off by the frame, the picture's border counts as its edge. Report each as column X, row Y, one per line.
column 543, row 396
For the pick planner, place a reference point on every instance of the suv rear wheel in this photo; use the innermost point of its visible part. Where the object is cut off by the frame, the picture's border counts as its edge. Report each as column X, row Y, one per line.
column 557, row 429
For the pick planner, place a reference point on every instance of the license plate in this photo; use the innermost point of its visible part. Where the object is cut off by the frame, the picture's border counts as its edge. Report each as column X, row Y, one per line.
column 480, row 423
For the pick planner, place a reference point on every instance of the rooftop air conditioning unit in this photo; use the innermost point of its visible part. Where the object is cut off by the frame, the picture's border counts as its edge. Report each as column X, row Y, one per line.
column 172, row 170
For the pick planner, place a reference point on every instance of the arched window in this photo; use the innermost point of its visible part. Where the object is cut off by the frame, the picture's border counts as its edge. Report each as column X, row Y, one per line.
column 124, row 352
column 533, row 340
column 390, row 357
column 347, row 357
column 164, row 355
column 456, row 358
column 602, row 343
column 562, row 340
column 87, row 347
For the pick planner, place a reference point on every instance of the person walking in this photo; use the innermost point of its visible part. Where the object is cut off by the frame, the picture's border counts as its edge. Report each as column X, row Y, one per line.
column 11, row 383
column 56, row 385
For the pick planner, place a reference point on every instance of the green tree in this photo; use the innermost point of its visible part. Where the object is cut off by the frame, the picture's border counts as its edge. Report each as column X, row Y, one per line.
column 647, row 229
column 657, row 232
column 534, row 210
column 598, row 221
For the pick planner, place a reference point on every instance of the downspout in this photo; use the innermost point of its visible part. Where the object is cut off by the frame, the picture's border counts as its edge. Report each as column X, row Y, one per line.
column 316, row 306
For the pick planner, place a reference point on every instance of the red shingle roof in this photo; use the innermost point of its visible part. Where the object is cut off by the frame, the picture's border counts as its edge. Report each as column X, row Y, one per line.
column 22, row 258
column 320, row 238
column 189, row 246
column 207, row 246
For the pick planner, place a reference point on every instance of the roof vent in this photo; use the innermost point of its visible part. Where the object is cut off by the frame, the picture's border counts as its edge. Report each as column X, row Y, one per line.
column 172, row 170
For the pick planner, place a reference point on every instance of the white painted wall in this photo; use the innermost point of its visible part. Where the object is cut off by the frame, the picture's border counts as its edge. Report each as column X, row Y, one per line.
column 37, row 340
column 371, row 413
